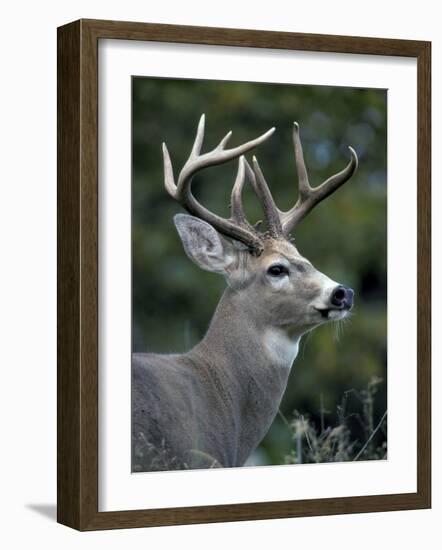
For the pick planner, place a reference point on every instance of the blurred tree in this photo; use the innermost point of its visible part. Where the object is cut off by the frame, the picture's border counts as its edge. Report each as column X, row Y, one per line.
column 345, row 237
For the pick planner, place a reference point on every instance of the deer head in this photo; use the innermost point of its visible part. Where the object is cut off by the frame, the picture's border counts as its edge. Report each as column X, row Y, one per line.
column 271, row 280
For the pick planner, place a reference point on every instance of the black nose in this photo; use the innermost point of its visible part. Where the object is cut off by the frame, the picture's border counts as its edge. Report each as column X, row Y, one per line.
column 342, row 297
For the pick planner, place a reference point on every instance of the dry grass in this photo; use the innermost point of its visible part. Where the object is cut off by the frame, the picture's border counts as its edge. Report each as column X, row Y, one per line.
column 334, row 443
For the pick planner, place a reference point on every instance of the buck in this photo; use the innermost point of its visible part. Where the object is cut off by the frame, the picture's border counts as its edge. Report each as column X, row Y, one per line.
column 211, row 406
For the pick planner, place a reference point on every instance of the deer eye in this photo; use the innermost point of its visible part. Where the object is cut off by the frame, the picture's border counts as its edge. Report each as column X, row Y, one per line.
column 277, row 270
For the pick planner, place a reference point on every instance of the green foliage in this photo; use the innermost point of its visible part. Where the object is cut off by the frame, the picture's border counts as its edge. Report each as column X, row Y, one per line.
column 345, row 237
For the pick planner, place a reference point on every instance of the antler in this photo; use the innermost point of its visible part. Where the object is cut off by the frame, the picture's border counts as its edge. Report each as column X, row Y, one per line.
column 309, row 196
column 279, row 223
column 236, row 227
column 271, row 212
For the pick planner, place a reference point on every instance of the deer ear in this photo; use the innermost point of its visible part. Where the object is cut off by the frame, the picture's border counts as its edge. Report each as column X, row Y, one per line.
column 203, row 244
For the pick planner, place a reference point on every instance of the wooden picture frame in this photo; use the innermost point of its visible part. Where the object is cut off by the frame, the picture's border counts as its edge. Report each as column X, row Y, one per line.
column 78, row 274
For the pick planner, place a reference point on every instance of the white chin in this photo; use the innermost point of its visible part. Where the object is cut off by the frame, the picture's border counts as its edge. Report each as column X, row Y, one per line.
column 337, row 314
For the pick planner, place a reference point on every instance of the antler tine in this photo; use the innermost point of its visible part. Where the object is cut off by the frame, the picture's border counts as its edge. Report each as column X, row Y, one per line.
column 309, row 196
column 218, row 155
column 236, row 207
column 198, row 143
column 271, row 212
column 303, row 183
column 236, row 228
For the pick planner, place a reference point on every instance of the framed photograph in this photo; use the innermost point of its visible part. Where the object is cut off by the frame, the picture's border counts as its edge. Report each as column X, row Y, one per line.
column 243, row 274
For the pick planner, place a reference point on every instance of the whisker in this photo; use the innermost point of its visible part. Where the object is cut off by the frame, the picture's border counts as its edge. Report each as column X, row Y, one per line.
column 338, row 327
column 304, row 343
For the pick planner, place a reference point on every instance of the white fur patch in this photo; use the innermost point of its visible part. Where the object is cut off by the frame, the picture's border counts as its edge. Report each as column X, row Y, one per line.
column 281, row 349
column 337, row 314
column 279, row 283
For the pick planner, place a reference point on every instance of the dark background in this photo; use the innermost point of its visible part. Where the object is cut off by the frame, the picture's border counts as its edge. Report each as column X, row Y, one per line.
column 345, row 236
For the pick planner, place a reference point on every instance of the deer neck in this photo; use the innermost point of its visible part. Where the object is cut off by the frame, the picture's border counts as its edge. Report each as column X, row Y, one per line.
column 252, row 362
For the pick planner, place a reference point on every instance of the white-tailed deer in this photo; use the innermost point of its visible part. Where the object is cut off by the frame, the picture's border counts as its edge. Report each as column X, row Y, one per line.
column 214, row 404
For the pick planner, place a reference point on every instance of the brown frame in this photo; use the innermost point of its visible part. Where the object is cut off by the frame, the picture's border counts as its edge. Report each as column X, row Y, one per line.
column 77, row 459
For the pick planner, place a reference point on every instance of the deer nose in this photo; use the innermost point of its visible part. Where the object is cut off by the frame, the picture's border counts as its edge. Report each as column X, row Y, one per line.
column 342, row 297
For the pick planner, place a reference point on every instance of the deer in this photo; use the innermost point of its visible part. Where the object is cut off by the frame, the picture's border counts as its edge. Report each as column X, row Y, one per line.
column 213, row 405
